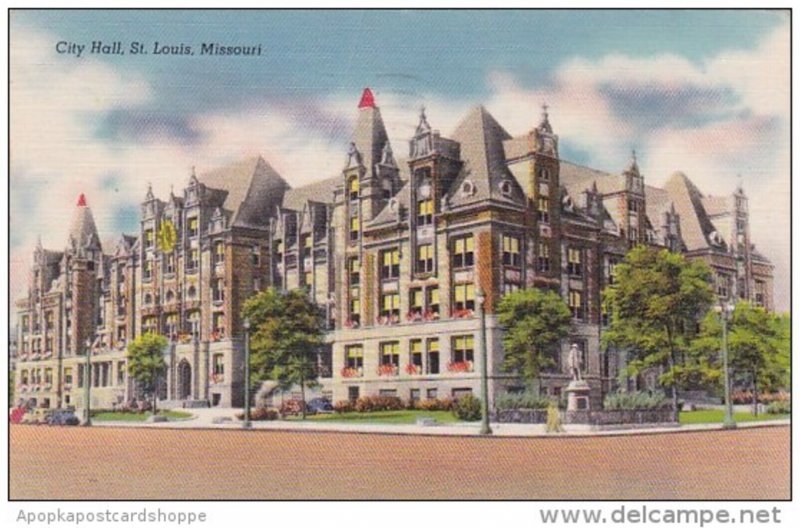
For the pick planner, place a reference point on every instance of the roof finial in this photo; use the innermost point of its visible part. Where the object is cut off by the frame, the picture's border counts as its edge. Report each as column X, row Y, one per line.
column 82, row 200
column 367, row 99
column 544, row 124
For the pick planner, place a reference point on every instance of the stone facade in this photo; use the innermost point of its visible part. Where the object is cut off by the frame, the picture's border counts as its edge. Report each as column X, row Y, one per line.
column 394, row 250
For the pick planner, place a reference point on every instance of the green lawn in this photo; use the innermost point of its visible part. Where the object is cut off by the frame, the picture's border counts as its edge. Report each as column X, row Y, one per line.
column 383, row 417
column 716, row 416
column 109, row 416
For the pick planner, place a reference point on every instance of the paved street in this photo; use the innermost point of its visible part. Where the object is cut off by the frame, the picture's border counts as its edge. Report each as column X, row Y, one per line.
column 125, row 463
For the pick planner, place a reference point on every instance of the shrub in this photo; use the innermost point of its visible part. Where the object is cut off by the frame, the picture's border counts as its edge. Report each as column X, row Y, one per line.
column 261, row 414
column 635, row 400
column 445, row 404
column 779, row 407
column 522, row 400
column 294, row 407
column 343, row 406
column 379, row 403
column 467, row 408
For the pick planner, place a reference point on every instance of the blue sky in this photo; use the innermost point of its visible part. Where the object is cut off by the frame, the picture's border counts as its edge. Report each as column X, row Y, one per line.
column 668, row 83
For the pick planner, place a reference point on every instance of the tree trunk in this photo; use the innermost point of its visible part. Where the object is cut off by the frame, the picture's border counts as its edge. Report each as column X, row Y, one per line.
column 155, row 392
column 755, row 394
column 674, row 387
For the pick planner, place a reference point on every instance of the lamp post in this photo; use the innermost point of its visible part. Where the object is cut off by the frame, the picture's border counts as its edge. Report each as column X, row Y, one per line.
column 480, row 298
column 87, row 384
column 725, row 309
column 246, row 422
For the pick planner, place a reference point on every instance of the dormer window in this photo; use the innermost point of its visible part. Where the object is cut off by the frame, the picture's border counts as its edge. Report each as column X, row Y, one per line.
column 387, row 188
column 355, row 228
column 467, row 188
column 306, row 243
column 425, row 212
column 544, row 175
column 505, row 188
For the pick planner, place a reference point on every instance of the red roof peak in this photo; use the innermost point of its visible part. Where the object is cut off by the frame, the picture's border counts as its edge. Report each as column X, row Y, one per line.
column 367, row 99
column 82, row 200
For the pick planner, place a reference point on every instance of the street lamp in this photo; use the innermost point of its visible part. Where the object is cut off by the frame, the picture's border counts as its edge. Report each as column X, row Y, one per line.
column 480, row 298
column 246, row 423
column 724, row 310
column 87, row 384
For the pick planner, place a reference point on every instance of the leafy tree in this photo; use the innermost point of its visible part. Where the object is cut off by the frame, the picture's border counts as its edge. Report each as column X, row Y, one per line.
column 758, row 346
column 535, row 321
column 146, row 362
column 655, row 303
column 288, row 329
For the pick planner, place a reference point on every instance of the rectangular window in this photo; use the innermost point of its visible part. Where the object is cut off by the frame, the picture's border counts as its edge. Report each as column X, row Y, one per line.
column 425, row 212
column 390, row 306
column 425, row 258
column 416, row 301
column 355, row 228
column 149, row 324
column 353, row 188
column 433, row 356
column 169, row 263
column 120, row 373
column 433, row 300
column 576, row 304
column 308, row 278
column 612, row 271
column 194, row 227
column 306, row 243
column 354, row 357
column 354, row 271
column 255, row 256
column 574, row 262
column 414, row 395
column 464, row 350
column 463, row 252
column 218, row 324
column 464, row 297
column 723, row 285
column 278, row 245
column 432, row 394
column 25, row 323
column 257, row 284
column 511, row 251
column 219, row 252
column 415, row 356
column 390, row 353
column 543, row 209
column 147, row 270
column 355, row 307
column 633, row 234
column 68, row 375
column 194, row 260
column 217, row 290
column 149, row 238
column 219, row 364
column 390, row 264
column 48, row 320
column 171, row 325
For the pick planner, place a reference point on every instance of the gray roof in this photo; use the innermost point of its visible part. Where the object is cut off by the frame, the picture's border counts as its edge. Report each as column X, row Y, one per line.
column 320, row 191
column 695, row 225
column 484, row 163
column 370, row 136
column 253, row 190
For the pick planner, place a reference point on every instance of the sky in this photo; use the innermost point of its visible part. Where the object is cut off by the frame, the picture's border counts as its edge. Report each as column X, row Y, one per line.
column 704, row 92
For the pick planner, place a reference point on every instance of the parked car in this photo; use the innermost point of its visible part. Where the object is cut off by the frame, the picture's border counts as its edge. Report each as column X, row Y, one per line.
column 63, row 417
column 319, row 405
column 37, row 416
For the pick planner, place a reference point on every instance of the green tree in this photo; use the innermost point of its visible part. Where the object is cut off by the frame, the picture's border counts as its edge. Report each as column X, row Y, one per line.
column 288, row 330
column 758, row 347
column 655, row 303
column 146, row 362
column 535, row 321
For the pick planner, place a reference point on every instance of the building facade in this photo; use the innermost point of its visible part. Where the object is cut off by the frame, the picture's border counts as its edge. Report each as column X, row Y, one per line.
column 397, row 251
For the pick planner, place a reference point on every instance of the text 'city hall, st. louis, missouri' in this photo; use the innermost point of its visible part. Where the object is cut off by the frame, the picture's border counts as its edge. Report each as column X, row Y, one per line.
column 395, row 251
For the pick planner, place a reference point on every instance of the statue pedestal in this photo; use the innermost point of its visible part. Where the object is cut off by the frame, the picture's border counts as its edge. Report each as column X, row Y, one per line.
column 577, row 396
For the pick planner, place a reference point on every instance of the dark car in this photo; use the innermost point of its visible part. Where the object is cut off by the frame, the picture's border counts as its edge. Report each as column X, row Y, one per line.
column 320, row 405
column 63, row 417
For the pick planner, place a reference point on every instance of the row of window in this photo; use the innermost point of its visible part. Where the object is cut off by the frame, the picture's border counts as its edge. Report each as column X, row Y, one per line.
column 100, row 374
column 423, row 357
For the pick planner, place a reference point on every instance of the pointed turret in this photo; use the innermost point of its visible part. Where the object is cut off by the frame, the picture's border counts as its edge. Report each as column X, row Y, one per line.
column 370, row 135
column 83, row 232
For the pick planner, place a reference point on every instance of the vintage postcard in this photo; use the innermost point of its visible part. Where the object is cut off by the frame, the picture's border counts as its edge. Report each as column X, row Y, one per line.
column 400, row 254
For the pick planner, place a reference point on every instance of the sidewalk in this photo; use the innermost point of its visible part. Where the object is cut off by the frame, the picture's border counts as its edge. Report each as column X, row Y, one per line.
column 204, row 419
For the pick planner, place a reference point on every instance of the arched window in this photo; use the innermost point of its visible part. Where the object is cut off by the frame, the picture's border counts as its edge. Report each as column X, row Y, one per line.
column 352, row 187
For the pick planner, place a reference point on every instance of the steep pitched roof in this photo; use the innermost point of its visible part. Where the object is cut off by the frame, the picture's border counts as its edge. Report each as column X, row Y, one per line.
column 370, row 136
column 253, row 190
column 83, row 231
column 481, row 138
column 695, row 225
column 320, row 191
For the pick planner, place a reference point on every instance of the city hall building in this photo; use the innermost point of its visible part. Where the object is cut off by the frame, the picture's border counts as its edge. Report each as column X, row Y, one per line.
column 395, row 247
